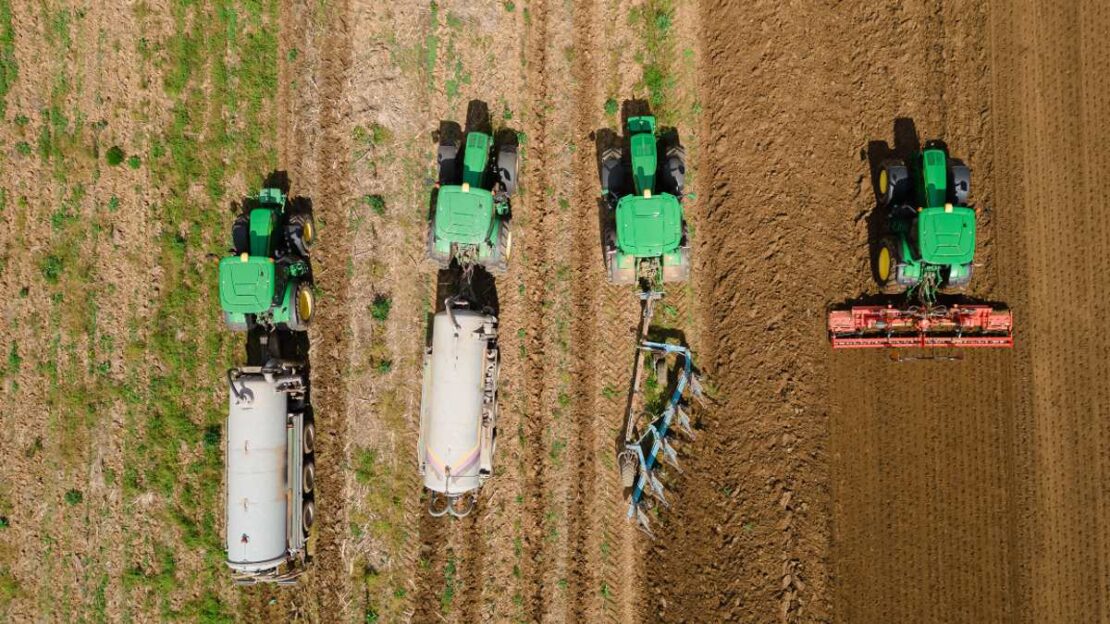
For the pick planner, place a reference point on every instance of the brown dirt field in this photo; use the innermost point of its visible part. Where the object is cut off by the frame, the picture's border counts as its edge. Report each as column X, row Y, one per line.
column 820, row 487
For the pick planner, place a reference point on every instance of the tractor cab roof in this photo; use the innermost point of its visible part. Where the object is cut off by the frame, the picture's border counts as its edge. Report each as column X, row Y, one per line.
column 649, row 225
column 946, row 235
column 464, row 214
column 246, row 284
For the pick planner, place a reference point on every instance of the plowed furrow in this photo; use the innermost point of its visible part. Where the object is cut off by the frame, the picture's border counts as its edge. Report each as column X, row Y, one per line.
column 537, row 276
column 327, row 586
column 586, row 280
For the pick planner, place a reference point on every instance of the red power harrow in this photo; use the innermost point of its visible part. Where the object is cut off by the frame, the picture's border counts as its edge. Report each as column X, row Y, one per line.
column 876, row 327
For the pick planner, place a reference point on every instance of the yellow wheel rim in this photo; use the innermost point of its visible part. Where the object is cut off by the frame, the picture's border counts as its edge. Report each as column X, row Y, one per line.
column 883, row 182
column 308, row 234
column 305, row 305
column 884, row 264
column 508, row 245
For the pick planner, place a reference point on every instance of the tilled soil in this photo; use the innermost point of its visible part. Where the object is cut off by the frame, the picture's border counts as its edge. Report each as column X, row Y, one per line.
column 820, row 486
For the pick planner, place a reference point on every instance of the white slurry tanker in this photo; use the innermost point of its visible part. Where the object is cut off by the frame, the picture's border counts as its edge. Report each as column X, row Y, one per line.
column 270, row 474
column 458, row 409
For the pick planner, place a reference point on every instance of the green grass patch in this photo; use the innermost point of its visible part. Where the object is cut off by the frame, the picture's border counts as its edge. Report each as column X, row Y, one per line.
column 376, row 203
column 9, row 69
column 114, row 156
column 379, row 309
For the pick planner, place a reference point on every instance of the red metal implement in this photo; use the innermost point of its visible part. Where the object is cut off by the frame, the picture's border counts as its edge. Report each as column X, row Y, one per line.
column 876, row 327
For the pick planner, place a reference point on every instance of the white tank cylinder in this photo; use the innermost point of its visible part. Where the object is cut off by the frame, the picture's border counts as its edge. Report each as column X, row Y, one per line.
column 451, row 427
column 257, row 489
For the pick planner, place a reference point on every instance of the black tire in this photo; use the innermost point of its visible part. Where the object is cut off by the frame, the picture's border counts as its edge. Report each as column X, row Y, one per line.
column 886, row 266
column 959, row 182
column 894, row 182
column 674, row 171
column 498, row 262
column 506, row 168
column 308, row 438
column 618, row 275
column 957, row 288
column 612, row 173
column 302, row 232
column 308, row 477
column 235, row 326
column 448, row 159
column 308, row 516
column 441, row 260
column 301, row 315
column 680, row 273
column 240, row 234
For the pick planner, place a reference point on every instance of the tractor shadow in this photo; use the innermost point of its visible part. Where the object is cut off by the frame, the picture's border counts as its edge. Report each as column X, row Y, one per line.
column 606, row 139
column 907, row 145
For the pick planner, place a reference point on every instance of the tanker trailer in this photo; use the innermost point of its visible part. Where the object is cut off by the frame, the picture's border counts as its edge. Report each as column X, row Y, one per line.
column 270, row 474
column 458, row 409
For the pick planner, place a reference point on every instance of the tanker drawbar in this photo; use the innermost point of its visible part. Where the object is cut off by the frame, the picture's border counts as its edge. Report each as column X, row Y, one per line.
column 458, row 409
column 270, row 474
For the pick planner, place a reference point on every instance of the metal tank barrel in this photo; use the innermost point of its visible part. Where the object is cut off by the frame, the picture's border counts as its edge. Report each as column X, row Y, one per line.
column 257, row 488
column 458, row 403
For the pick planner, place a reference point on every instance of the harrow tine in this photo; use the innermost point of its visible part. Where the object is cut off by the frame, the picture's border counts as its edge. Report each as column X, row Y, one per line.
column 657, row 488
column 682, row 421
column 669, row 454
column 642, row 519
column 696, row 389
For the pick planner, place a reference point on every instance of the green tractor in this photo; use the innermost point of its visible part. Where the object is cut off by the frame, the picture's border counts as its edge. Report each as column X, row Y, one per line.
column 931, row 240
column 267, row 281
column 645, row 238
column 470, row 224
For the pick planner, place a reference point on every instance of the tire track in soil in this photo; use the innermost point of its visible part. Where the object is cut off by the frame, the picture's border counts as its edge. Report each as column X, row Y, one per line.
column 433, row 557
column 582, row 549
column 326, row 585
column 539, row 225
column 473, row 562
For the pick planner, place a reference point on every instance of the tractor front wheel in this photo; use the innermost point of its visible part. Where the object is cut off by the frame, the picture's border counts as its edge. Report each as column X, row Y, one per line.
column 303, row 307
column 894, row 182
column 506, row 168
column 240, row 234
column 302, row 232
column 447, row 157
column 959, row 184
column 612, row 174
column 886, row 267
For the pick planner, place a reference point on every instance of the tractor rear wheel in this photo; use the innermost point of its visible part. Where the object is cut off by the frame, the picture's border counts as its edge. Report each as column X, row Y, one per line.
column 894, row 182
column 498, row 262
column 679, row 272
column 240, row 234
column 236, row 326
column 618, row 275
column 441, row 260
column 959, row 183
column 304, row 307
column 506, row 168
column 886, row 267
column 958, row 287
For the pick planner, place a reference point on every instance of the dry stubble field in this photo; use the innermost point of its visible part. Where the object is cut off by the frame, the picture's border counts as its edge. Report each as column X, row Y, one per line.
column 822, row 487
